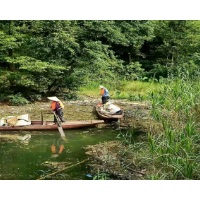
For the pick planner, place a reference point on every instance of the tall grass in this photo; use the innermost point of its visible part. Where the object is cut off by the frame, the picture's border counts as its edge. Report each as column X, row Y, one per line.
column 175, row 153
column 132, row 90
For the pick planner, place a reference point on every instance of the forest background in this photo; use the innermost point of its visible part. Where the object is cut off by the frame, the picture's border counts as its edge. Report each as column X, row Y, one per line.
column 40, row 57
column 153, row 60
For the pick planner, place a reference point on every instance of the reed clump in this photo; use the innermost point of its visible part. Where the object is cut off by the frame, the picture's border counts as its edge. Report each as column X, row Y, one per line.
column 170, row 150
column 174, row 153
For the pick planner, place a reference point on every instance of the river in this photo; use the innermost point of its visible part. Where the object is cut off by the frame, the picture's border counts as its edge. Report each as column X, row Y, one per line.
column 31, row 159
column 45, row 152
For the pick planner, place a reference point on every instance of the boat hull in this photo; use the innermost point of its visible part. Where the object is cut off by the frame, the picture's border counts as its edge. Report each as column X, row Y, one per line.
column 109, row 117
column 48, row 125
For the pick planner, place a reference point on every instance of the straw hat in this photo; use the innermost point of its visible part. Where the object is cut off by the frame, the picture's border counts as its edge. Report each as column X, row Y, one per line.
column 101, row 86
column 53, row 98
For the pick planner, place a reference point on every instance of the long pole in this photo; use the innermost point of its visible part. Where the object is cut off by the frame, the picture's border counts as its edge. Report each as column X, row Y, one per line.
column 59, row 125
column 61, row 170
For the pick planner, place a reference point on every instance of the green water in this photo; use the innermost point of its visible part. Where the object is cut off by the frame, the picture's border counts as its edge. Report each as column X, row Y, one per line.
column 22, row 161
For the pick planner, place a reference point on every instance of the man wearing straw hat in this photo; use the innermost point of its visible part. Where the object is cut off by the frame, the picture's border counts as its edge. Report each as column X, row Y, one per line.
column 58, row 107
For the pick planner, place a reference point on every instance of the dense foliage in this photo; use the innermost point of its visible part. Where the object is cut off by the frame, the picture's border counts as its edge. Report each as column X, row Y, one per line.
column 38, row 58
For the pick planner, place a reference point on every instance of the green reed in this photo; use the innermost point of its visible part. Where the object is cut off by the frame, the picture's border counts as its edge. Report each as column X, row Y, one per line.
column 173, row 153
column 176, row 151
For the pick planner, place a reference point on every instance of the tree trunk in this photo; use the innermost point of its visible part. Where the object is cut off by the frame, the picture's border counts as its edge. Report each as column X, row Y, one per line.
column 10, row 52
column 130, row 58
column 131, row 55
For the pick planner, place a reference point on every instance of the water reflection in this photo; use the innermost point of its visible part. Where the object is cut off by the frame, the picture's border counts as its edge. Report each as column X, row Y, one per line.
column 35, row 154
column 57, row 147
column 24, row 139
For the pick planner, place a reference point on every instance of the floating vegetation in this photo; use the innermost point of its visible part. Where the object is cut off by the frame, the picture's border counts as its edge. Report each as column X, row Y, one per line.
column 107, row 158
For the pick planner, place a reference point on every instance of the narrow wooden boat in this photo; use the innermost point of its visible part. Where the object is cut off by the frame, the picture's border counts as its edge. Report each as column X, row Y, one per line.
column 107, row 117
column 49, row 125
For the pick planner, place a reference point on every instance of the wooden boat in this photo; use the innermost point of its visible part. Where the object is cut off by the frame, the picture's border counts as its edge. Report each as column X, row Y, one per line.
column 107, row 117
column 49, row 125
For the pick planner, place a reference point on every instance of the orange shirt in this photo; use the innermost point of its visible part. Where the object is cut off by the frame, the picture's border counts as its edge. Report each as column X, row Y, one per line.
column 53, row 105
column 102, row 91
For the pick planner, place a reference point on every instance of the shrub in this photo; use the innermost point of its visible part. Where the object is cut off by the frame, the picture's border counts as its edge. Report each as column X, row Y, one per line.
column 17, row 99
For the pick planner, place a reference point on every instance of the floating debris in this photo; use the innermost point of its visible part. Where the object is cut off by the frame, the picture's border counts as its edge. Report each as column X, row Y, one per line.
column 107, row 158
column 55, row 165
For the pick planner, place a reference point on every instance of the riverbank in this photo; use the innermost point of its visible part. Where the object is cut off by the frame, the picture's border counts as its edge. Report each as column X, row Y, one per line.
column 80, row 110
column 137, row 117
column 129, row 90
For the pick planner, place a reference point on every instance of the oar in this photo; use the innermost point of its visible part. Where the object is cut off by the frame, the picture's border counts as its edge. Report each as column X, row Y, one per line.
column 59, row 125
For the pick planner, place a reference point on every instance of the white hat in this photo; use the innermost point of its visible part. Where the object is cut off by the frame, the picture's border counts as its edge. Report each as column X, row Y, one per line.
column 53, row 98
column 101, row 86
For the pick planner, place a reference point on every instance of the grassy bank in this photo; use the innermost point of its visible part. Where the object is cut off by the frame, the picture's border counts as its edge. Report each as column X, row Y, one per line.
column 131, row 90
column 171, row 151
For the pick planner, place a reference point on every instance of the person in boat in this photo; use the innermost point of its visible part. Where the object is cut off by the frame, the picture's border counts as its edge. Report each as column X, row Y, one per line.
column 104, row 94
column 57, row 106
column 113, row 109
